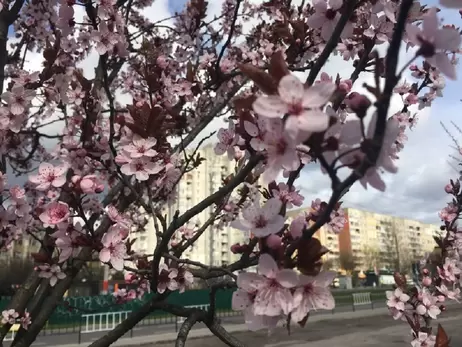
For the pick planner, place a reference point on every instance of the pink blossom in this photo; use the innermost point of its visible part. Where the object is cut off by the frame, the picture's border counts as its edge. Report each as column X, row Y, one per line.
column 428, row 305
column 18, row 99
column 313, row 294
column 53, row 272
column 261, row 221
column 450, row 294
column 297, row 225
column 272, row 286
column 186, row 232
column 434, row 42
column 424, row 340
column 397, row 299
column 450, row 270
column 9, row 316
column 281, row 154
column 141, row 168
column 184, row 279
column 123, row 296
column 288, row 196
column 25, row 320
column 300, row 104
column 227, row 140
column 457, row 4
column 114, row 249
column 49, row 176
column 449, row 213
column 88, row 184
column 55, row 213
column 141, row 147
column 326, row 18
column 105, row 40
column 242, row 300
column 166, row 279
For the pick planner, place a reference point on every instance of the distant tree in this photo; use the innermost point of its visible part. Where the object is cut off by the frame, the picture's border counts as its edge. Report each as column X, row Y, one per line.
column 348, row 262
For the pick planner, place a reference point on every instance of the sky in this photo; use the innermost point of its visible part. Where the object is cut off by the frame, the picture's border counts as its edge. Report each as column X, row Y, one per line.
column 417, row 190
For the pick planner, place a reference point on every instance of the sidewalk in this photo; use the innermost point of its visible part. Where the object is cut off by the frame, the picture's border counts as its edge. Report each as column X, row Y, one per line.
column 152, row 340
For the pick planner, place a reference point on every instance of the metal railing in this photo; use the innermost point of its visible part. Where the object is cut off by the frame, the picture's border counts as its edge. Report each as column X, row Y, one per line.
column 105, row 321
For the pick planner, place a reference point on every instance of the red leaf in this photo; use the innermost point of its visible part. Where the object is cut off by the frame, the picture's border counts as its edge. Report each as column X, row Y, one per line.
column 262, row 79
column 442, row 339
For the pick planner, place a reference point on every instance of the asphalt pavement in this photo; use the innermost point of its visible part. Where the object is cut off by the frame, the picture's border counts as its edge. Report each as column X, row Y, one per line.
column 147, row 330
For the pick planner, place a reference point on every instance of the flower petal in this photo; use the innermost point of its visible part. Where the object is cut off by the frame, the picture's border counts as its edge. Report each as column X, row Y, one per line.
column 287, row 278
column 270, row 106
column 447, row 38
column 291, row 90
column 319, row 94
column 267, row 266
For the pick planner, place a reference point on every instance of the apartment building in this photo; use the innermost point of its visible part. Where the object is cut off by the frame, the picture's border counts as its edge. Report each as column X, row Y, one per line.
column 213, row 247
column 382, row 241
column 327, row 239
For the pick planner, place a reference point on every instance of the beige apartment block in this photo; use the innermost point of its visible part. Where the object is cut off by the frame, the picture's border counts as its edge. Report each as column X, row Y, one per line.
column 382, row 241
column 213, row 247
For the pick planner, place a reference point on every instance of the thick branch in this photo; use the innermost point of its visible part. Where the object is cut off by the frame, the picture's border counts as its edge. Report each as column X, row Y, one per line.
column 185, row 329
column 223, row 335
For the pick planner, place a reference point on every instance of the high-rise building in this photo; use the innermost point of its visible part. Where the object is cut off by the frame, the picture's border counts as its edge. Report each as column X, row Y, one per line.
column 213, row 247
column 382, row 241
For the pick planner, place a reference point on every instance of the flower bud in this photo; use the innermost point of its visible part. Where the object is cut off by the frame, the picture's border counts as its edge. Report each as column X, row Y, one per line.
column 358, row 103
column 448, row 188
column 425, row 272
column 441, row 298
column 273, row 241
column 236, row 248
column 426, row 281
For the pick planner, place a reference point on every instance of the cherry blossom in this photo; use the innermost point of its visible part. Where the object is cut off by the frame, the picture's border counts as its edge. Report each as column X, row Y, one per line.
column 325, row 18
column 49, row 176
column 434, row 42
column 227, row 140
column 141, row 147
column 114, row 249
column 166, row 279
column 261, row 221
column 9, row 316
column 397, row 299
column 288, row 195
column 428, row 305
column 55, row 213
column 272, row 285
column 25, row 320
column 184, row 279
column 141, row 168
column 52, row 272
column 313, row 294
column 300, row 104
column 424, row 340
column 18, row 99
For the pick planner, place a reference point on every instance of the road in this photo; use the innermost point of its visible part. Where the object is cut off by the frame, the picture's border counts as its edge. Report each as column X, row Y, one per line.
column 381, row 331
column 63, row 339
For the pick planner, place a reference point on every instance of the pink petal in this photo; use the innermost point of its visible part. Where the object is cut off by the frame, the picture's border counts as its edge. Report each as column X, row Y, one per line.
column 53, row 281
column 249, row 281
column 270, row 106
column 220, row 148
column 325, row 278
column 316, row 21
column 251, row 212
column 287, row 278
column 272, row 208
column 60, row 170
column 319, row 94
column 267, row 266
column 291, row 90
column 412, row 33
column 105, row 255
column 240, row 300
column 312, row 121
column 46, row 169
column 251, row 128
column 447, row 38
column 117, row 263
column 451, row 3
column 443, row 63
column 59, row 181
column 430, row 22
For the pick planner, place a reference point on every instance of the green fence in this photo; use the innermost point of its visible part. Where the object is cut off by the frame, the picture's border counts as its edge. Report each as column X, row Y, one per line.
column 66, row 317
